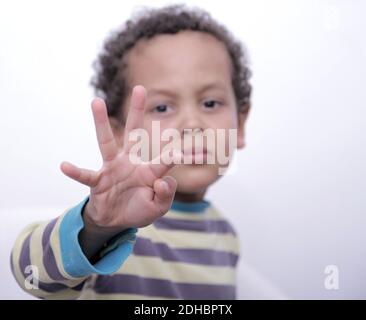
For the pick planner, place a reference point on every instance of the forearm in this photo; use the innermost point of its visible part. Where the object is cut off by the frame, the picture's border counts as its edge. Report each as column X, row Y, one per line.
column 37, row 265
column 50, row 253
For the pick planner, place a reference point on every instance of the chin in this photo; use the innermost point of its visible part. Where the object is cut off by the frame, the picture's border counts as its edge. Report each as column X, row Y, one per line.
column 194, row 178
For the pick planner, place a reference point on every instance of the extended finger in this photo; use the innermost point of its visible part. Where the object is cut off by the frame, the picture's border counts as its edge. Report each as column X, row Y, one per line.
column 84, row 176
column 106, row 141
column 135, row 117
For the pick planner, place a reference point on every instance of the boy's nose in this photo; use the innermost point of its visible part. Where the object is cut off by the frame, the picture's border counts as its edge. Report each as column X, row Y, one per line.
column 191, row 123
column 192, row 131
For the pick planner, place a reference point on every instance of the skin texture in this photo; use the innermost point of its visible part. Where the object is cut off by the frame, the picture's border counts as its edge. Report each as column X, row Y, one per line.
column 183, row 81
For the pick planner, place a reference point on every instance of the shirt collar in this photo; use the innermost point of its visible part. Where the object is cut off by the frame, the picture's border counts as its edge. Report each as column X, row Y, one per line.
column 191, row 207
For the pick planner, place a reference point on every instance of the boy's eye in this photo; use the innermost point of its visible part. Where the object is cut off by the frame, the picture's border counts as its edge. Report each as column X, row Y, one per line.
column 161, row 108
column 211, row 104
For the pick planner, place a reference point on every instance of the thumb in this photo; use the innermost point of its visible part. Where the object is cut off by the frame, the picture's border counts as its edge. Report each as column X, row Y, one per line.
column 164, row 189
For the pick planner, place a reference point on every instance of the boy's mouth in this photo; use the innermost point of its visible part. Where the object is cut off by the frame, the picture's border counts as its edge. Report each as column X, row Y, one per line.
column 195, row 155
column 195, row 151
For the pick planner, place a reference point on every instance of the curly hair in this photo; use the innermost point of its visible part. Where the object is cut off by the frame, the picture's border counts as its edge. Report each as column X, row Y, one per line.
column 110, row 82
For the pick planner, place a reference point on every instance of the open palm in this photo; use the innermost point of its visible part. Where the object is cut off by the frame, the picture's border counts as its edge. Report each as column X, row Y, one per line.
column 124, row 194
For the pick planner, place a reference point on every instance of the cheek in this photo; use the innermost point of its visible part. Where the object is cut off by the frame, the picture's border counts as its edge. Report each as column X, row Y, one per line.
column 227, row 118
column 226, row 140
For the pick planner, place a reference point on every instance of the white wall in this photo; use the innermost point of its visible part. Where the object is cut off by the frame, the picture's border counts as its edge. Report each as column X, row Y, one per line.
column 297, row 197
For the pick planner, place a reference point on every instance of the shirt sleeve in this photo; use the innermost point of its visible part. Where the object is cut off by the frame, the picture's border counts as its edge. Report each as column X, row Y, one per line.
column 48, row 262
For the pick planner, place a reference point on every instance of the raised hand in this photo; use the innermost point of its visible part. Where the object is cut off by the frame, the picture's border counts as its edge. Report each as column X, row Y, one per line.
column 122, row 194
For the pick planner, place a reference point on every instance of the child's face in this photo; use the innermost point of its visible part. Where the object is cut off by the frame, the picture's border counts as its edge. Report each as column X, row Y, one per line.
column 185, row 74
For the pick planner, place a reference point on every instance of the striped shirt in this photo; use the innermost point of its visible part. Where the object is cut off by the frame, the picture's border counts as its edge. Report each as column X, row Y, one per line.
column 189, row 253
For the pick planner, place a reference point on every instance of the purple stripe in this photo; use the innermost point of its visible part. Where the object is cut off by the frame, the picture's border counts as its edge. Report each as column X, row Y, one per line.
column 11, row 264
column 144, row 247
column 47, row 232
column 55, row 287
column 208, row 226
column 25, row 261
column 49, row 260
column 130, row 284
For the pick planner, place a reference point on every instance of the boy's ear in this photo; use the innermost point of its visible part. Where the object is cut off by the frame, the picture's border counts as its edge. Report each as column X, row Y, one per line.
column 117, row 128
column 242, row 118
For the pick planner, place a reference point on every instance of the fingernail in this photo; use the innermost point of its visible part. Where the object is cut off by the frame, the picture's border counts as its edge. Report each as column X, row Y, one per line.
column 166, row 185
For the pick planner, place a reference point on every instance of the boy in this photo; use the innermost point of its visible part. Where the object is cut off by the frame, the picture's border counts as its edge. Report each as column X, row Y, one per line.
column 145, row 231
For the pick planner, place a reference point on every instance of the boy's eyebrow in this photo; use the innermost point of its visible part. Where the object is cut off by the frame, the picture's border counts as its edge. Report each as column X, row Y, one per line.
column 203, row 88
column 212, row 85
column 165, row 92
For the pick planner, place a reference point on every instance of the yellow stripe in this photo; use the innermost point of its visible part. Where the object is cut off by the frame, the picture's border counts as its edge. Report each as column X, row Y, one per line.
column 210, row 213
column 154, row 267
column 67, row 294
column 36, row 253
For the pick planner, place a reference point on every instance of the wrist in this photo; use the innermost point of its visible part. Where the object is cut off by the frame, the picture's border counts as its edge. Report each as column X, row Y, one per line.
column 91, row 227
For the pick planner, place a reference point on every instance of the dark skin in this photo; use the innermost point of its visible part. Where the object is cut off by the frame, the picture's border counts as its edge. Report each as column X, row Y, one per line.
column 182, row 81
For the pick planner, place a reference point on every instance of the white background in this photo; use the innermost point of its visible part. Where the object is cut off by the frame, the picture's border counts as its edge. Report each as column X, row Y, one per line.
column 298, row 195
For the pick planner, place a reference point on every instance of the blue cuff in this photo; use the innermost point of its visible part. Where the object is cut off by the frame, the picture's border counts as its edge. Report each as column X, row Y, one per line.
column 75, row 263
